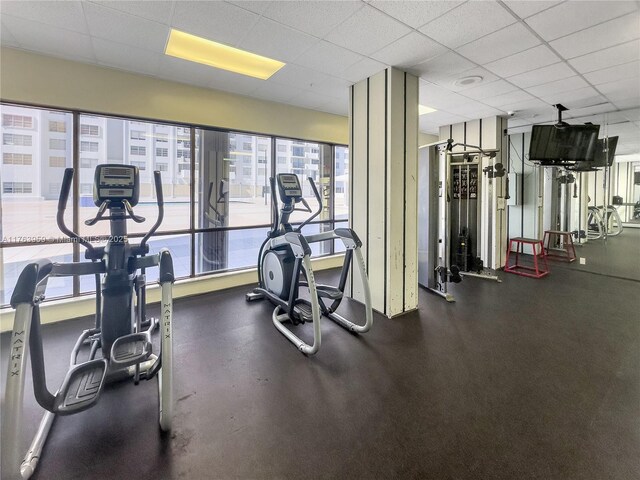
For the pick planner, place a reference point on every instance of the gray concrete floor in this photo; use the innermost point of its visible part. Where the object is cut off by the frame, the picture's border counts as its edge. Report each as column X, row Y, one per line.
column 527, row 379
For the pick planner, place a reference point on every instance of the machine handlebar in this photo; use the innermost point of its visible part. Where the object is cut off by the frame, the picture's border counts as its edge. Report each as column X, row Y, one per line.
column 160, row 200
column 62, row 206
column 318, row 198
column 66, row 188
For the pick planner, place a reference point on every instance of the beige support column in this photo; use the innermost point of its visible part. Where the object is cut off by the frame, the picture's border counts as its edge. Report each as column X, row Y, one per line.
column 383, row 141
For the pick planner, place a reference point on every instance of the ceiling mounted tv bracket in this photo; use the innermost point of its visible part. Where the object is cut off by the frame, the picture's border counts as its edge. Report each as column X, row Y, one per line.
column 560, row 108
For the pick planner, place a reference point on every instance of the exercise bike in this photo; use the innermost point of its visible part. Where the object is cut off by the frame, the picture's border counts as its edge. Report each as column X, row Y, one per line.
column 122, row 333
column 285, row 256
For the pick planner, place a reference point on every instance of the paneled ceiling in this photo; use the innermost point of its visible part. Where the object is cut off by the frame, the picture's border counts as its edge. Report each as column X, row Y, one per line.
column 528, row 54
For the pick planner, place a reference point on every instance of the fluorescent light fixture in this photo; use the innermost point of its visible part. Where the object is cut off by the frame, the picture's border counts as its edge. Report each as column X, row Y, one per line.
column 197, row 49
column 422, row 109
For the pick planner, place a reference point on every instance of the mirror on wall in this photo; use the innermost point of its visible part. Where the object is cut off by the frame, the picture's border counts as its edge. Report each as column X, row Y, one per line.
column 598, row 203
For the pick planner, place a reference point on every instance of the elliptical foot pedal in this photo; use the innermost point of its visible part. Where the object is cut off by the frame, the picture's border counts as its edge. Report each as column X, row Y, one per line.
column 81, row 387
column 328, row 291
column 130, row 350
column 303, row 310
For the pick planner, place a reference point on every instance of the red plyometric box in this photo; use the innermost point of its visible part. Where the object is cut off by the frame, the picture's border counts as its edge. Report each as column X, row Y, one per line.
column 568, row 252
column 526, row 270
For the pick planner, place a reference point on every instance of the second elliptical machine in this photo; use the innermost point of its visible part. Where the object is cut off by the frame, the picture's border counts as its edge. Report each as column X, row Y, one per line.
column 285, row 257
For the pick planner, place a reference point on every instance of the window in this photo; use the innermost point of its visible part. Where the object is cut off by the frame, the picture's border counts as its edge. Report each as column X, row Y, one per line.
column 88, row 163
column 17, row 159
column 57, row 162
column 341, row 184
column 16, row 187
column 57, row 144
column 15, row 139
column 57, row 126
column 231, row 203
column 90, row 130
column 17, row 121
column 140, row 165
column 136, row 150
column 89, row 146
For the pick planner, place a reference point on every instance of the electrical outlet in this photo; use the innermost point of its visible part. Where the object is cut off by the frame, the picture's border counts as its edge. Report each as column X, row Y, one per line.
column 583, row 261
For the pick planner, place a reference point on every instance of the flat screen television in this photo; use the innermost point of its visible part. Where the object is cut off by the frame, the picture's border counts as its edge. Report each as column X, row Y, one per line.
column 559, row 146
column 601, row 158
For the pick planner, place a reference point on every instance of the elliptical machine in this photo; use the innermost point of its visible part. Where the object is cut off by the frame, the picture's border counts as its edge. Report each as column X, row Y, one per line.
column 122, row 332
column 285, row 255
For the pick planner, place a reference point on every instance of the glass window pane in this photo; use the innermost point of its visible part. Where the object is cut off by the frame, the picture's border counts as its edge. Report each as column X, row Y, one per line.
column 232, row 188
column 341, row 183
column 232, row 248
column 307, row 159
column 14, row 259
column 149, row 146
column 31, row 172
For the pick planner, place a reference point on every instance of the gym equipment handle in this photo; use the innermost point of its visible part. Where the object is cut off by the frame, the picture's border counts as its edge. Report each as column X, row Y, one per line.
column 66, row 188
column 160, row 201
column 318, row 198
column 62, row 205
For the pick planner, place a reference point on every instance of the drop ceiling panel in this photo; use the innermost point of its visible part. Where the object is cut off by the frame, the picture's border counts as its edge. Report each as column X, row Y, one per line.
column 507, row 98
column 361, row 70
column 297, row 76
column 328, row 58
column 473, row 109
column 255, row 6
column 526, row 8
column 579, row 98
column 316, row 18
column 218, row 21
column 66, row 15
column 493, row 89
column 276, row 92
column 110, row 54
column 609, row 57
column 591, row 110
column 531, row 59
column 542, row 75
column 47, row 39
column 183, row 71
column 449, row 81
column 564, row 85
column 608, row 34
column 468, row 22
column 619, row 72
column 442, row 66
column 505, row 42
column 331, row 87
column 157, row 11
column 570, row 17
column 620, row 89
column 273, row 40
column 6, row 37
column 113, row 25
column 409, row 50
column 367, row 31
column 414, row 14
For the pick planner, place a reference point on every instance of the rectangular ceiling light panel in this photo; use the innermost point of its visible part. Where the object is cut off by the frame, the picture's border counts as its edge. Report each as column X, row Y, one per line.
column 197, row 49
